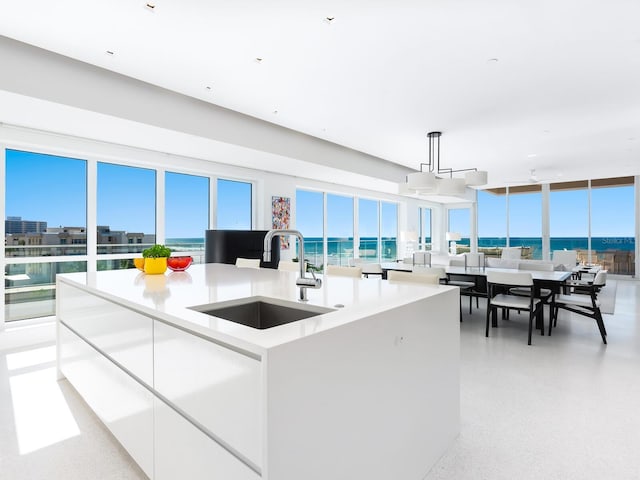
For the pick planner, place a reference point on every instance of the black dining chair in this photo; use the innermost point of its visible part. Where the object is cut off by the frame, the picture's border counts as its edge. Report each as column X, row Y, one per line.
column 498, row 296
column 583, row 301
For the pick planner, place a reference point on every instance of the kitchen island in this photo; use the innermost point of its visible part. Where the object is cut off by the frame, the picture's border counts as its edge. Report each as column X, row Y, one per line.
column 369, row 389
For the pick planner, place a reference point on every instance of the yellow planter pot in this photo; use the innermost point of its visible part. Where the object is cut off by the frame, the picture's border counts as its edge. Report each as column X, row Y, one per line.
column 155, row 266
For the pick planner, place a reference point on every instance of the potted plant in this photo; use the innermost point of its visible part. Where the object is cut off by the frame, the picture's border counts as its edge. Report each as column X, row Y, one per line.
column 155, row 259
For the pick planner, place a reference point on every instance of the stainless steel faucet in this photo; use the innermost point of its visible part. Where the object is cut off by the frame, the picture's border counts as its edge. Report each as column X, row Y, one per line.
column 303, row 282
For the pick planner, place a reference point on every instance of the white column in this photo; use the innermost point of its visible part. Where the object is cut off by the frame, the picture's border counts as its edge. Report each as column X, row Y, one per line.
column 637, row 217
column 92, row 215
column 4, row 215
column 546, row 236
column 160, row 204
column 473, row 219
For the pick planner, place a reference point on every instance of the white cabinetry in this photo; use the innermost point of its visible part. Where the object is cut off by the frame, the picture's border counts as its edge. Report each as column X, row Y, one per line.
column 183, row 451
column 218, row 387
column 124, row 335
column 123, row 404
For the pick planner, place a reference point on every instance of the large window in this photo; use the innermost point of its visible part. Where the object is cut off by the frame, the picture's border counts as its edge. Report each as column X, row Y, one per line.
column 389, row 231
column 339, row 229
column 612, row 224
column 234, row 205
column 126, row 208
column 492, row 222
column 46, row 205
column 525, row 220
column 46, row 216
column 368, row 229
column 569, row 217
column 460, row 222
column 186, row 211
column 309, row 221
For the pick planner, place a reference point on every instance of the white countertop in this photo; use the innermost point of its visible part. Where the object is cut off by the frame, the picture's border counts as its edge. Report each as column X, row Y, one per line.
column 168, row 297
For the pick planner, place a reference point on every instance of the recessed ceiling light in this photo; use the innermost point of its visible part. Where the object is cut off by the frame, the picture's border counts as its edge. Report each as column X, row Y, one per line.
column 110, row 52
column 259, row 59
column 150, row 6
column 208, row 87
column 329, row 19
column 532, row 155
column 493, row 60
column 275, row 112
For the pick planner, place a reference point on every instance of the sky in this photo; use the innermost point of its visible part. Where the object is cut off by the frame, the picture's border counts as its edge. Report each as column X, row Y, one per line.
column 309, row 216
column 53, row 189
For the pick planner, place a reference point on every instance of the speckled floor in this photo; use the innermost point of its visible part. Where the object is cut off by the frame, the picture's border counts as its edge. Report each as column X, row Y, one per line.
column 564, row 408
column 46, row 429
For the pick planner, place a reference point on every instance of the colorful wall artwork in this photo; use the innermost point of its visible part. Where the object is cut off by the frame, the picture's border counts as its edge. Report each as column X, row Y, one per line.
column 281, row 214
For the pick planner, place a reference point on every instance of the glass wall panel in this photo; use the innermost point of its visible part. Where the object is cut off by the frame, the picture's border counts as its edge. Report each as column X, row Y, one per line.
column 186, row 212
column 339, row 229
column 46, row 205
column 460, row 222
column 612, row 228
column 309, row 221
column 30, row 288
column 234, row 205
column 492, row 223
column 525, row 222
column 389, row 231
column 424, row 237
column 368, row 229
column 569, row 221
column 126, row 208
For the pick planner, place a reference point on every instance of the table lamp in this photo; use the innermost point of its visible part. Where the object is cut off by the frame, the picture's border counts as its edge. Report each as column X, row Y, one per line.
column 453, row 237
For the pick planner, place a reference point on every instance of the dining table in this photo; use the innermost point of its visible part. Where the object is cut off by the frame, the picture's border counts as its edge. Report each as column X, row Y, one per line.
column 553, row 280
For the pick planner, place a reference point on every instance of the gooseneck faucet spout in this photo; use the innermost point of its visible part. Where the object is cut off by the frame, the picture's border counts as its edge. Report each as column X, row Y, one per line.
column 303, row 281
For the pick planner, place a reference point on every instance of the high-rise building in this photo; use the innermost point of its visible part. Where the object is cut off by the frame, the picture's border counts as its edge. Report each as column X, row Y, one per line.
column 13, row 225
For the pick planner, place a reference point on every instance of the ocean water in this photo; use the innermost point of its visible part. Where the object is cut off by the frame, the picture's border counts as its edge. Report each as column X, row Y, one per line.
column 343, row 247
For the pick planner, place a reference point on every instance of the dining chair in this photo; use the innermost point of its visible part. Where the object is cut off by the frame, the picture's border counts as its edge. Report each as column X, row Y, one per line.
column 248, row 262
column 472, row 289
column 290, row 266
column 583, row 301
column 544, row 294
column 498, row 286
column 442, row 276
column 413, row 277
column 368, row 268
column 565, row 259
column 371, row 269
column 339, row 271
column 422, row 258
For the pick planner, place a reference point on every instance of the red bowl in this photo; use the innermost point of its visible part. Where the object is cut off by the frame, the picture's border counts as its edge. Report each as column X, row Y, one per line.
column 178, row 264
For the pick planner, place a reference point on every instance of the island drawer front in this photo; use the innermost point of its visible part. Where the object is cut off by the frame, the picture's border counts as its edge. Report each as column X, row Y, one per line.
column 123, row 404
column 122, row 334
column 183, row 451
column 218, row 388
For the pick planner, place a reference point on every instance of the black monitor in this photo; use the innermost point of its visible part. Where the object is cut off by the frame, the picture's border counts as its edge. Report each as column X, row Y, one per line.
column 224, row 246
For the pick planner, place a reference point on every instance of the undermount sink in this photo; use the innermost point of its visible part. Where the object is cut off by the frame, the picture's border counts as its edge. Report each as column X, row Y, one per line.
column 261, row 312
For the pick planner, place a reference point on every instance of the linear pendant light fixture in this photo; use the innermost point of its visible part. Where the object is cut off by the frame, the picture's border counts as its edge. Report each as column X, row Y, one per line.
column 428, row 180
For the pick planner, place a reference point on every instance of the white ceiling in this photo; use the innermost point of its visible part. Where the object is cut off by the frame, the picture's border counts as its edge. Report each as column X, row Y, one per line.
column 551, row 85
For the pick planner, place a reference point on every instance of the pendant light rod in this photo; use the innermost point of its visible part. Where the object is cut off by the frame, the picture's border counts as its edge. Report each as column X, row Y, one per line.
column 434, row 157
